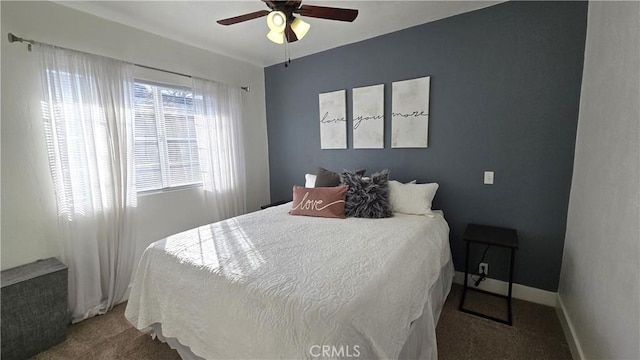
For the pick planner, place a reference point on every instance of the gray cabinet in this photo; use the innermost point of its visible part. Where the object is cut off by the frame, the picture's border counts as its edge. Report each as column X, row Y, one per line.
column 34, row 308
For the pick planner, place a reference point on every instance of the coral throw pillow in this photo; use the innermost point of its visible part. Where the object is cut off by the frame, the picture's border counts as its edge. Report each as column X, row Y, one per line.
column 321, row 201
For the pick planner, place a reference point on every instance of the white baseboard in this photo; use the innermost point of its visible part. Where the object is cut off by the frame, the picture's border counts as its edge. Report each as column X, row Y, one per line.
column 521, row 292
column 569, row 331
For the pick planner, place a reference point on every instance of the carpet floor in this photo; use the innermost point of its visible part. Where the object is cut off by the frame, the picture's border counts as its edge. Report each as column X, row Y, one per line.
column 535, row 334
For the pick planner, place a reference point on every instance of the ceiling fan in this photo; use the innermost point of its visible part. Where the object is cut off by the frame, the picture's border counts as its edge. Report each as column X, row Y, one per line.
column 284, row 25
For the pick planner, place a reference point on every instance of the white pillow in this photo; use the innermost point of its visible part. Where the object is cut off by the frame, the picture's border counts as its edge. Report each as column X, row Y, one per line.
column 310, row 180
column 413, row 199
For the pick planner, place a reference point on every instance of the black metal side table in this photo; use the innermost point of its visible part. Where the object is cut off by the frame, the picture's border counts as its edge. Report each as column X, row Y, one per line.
column 493, row 236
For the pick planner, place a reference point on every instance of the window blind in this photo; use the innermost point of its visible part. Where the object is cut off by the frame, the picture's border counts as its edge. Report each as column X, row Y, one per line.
column 166, row 150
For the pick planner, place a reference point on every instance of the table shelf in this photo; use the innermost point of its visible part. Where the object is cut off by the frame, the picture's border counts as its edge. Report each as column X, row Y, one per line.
column 491, row 236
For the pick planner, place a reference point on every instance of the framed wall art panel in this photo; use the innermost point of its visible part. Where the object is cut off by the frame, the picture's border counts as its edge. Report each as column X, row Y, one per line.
column 368, row 117
column 410, row 113
column 333, row 120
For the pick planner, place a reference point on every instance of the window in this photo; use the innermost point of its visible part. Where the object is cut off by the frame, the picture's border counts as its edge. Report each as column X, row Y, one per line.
column 166, row 149
column 76, row 135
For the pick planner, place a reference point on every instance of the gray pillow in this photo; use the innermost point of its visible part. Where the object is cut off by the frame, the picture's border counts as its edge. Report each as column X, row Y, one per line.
column 328, row 178
column 367, row 197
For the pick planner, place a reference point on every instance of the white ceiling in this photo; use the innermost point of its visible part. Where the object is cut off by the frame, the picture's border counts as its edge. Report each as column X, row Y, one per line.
column 194, row 23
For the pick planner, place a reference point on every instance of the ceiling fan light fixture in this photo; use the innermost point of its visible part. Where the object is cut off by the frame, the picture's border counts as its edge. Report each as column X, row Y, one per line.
column 300, row 27
column 277, row 21
column 276, row 37
column 284, row 26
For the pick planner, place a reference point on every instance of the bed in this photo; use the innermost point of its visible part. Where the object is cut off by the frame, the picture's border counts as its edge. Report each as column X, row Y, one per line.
column 273, row 285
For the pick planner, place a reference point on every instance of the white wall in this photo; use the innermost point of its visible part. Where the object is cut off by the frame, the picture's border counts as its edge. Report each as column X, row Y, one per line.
column 600, row 278
column 29, row 228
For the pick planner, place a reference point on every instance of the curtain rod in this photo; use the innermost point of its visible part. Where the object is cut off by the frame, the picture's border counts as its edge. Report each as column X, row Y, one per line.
column 13, row 38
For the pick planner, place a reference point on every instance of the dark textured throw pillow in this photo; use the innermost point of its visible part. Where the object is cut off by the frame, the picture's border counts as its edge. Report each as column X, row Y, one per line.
column 328, row 178
column 367, row 197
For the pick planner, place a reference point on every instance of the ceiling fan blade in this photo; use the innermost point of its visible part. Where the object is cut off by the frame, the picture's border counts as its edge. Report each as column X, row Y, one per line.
column 289, row 34
column 245, row 17
column 331, row 13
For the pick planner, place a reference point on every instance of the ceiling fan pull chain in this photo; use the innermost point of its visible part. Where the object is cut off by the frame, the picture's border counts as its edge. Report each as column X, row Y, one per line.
column 287, row 54
column 286, row 44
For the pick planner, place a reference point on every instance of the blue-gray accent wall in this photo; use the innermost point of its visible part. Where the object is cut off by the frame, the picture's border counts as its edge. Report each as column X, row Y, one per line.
column 505, row 90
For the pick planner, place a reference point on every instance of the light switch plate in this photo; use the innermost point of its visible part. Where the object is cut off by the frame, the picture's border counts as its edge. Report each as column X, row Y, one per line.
column 488, row 177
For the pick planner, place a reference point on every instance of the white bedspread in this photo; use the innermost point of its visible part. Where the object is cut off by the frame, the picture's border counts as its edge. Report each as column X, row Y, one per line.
column 272, row 285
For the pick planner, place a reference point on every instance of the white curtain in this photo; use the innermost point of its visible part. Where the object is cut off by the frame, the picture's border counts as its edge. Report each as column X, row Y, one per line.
column 220, row 146
column 88, row 115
